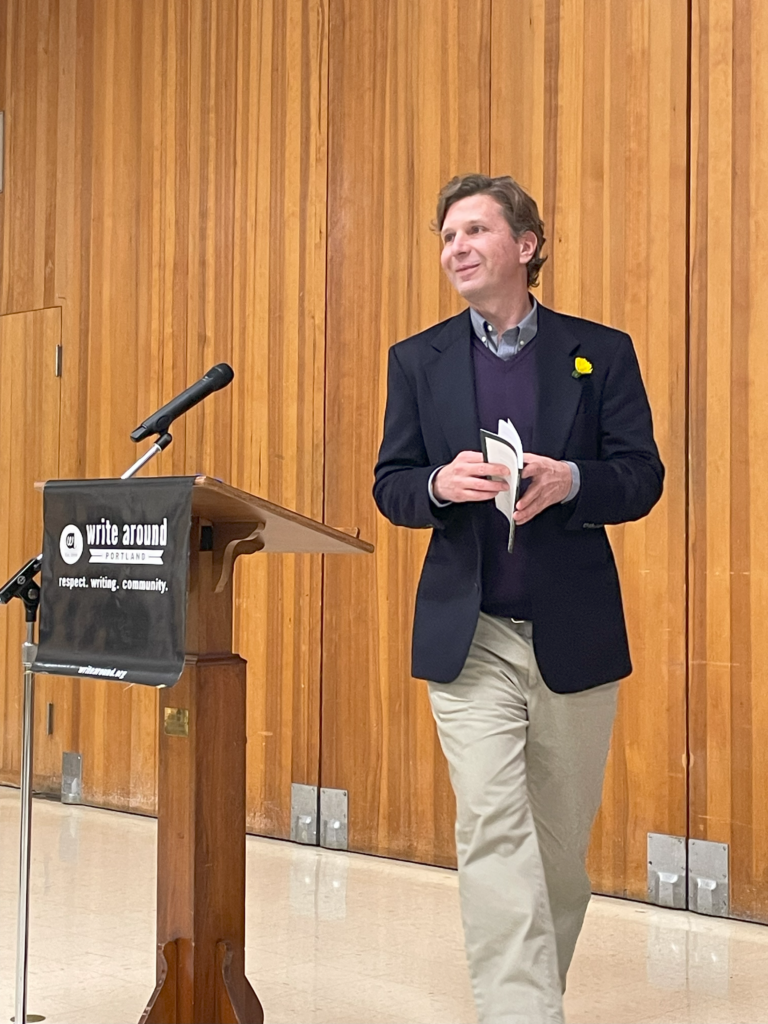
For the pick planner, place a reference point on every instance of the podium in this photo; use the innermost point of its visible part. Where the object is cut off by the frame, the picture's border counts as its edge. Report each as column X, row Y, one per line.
column 201, row 777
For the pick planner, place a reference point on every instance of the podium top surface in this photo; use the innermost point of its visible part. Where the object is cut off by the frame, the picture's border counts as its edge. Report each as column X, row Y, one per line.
column 283, row 530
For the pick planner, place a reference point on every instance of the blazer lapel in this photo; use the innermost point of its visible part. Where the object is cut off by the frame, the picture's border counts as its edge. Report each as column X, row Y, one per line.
column 559, row 391
column 451, row 378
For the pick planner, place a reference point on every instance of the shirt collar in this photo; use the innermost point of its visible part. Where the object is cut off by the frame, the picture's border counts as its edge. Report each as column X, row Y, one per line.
column 527, row 327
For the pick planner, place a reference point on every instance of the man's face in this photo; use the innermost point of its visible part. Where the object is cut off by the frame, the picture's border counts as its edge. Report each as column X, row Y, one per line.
column 481, row 257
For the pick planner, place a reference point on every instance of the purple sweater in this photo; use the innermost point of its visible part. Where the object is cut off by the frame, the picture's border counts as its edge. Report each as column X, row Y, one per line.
column 505, row 389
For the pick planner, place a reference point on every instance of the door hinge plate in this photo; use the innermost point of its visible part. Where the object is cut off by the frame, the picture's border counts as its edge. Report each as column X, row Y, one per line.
column 71, row 778
column 708, row 878
column 334, row 817
column 304, row 814
column 666, row 870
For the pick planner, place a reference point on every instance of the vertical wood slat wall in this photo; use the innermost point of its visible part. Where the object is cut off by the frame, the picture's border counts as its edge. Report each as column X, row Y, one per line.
column 392, row 145
column 601, row 114
column 613, row 257
column 119, row 177
column 30, row 402
column 170, row 195
column 151, row 149
column 279, row 356
column 728, row 550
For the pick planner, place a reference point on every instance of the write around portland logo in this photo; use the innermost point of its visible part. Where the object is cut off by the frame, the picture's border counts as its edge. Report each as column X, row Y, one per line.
column 115, row 543
column 71, row 544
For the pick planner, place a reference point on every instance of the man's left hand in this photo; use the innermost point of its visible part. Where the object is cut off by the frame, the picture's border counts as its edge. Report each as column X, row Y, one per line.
column 550, row 484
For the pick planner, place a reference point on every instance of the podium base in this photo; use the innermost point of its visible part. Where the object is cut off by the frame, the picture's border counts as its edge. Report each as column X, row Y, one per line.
column 172, row 1002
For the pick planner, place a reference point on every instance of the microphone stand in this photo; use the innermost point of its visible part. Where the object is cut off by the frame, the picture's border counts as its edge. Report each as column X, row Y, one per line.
column 22, row 585
column 160, row 445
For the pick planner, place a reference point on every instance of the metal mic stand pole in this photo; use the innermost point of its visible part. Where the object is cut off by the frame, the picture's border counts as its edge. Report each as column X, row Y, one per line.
column 23, row 586
column 160, row 445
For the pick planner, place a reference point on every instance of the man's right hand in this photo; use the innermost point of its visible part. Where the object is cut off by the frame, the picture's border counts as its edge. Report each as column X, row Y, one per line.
column 465, row 479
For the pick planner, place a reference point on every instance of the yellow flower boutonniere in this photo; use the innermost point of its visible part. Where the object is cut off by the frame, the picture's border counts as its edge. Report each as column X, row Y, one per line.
column 583, row 368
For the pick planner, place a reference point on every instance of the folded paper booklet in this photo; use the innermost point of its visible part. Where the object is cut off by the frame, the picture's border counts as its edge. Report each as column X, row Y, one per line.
column 505, row 448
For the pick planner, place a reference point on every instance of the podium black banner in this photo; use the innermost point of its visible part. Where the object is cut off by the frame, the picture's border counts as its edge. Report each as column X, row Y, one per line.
column 114, row 579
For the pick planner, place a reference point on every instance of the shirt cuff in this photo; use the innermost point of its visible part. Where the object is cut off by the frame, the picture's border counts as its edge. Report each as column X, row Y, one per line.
column 575, row 482
column 433, row 499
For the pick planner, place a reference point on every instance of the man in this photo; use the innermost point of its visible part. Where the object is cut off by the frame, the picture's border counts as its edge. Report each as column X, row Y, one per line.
column 523, row 651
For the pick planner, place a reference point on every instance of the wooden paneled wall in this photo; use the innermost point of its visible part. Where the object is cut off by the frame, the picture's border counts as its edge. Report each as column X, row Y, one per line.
column 597, row 130
column 165, row 187
column 422, row 116
column 30, row 402
column 584, row 72
column 279, row 354
column 134, row 187
column 728, row 435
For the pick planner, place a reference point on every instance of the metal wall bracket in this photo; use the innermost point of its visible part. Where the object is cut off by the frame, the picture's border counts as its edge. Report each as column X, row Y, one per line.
column 71, row 778
column 692, row 874
column 304, row 801
column 667, row 870
column 334, row 817
column 708, row 878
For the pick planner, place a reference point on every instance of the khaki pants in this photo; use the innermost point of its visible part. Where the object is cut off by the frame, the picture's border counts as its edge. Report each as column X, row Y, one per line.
column 527, row 767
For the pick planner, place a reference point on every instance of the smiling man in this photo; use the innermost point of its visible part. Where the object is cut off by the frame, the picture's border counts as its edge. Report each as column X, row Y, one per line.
column 522, row 651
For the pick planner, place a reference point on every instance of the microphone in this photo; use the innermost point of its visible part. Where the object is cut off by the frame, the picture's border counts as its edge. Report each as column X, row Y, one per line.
column 217, row 377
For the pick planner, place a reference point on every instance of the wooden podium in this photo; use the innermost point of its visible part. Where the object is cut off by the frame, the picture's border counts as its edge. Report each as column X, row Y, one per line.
column 201, row 785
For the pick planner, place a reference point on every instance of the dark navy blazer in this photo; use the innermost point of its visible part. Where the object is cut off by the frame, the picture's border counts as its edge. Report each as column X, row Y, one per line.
column 601, row 421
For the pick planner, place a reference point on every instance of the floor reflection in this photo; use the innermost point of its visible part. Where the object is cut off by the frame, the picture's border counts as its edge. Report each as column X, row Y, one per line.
column 335, row 938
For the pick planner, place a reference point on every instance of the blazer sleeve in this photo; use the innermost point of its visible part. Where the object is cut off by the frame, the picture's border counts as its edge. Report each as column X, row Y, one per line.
column 627, row 480
column 403, row 469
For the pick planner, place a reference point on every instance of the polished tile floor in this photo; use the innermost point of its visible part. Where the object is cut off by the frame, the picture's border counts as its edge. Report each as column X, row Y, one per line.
column 338, row 938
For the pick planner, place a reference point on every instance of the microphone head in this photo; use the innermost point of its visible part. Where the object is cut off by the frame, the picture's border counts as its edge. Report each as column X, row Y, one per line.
column 221, row 374
column 217, row 378
column 140, row 433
